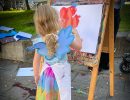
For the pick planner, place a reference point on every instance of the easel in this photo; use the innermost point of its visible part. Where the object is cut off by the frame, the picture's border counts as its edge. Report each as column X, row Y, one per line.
column 106, row 45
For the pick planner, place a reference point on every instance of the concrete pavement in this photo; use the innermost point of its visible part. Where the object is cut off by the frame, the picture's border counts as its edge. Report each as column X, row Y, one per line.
column 24, row 88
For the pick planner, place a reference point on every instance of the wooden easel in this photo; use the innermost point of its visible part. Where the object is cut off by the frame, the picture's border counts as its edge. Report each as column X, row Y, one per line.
column 106, row 45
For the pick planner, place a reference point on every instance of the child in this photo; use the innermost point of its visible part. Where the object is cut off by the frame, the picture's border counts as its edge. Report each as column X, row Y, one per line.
column 54, row 83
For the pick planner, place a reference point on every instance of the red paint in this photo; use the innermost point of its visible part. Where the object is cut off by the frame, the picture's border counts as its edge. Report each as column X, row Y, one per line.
column 83, row 74
column 24, row 94
column 80, row 62
column 32, row 92
column 81, row 40
column 68, row 17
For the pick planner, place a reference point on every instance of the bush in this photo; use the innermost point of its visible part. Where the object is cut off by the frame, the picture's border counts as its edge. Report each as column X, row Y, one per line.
column 11, row 9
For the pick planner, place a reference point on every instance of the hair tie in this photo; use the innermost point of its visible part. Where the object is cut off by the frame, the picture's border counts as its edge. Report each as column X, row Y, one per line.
column 55, row 36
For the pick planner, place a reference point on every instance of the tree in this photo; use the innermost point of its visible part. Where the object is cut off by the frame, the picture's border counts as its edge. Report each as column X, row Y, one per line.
column 6, row 5
column 27, row 5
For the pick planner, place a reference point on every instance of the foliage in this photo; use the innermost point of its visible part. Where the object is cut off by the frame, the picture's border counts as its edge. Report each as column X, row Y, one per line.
column 43, row 2
column 6, row 5
column 125, row 18
column 11, row 9
column 27, row 5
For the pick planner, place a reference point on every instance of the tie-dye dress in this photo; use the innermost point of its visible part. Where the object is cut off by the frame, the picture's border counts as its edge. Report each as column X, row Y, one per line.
column 55, row 82
column 47, row 87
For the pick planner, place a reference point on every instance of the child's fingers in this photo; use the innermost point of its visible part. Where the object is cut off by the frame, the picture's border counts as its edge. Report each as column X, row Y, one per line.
column 37, row 80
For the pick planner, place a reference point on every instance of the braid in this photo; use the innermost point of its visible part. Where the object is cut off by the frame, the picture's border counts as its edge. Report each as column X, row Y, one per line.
column 51, row 41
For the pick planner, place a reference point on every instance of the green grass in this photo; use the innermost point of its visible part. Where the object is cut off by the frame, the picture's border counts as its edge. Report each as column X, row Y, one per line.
column 125, row 18
column 17, row 19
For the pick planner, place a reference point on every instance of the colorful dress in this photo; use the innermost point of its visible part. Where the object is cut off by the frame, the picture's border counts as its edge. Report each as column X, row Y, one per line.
column 55, row 79
column 55, row 82
column 47, row 87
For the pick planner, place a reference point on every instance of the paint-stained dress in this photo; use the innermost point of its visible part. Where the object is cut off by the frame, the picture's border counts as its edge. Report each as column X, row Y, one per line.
column 47, row 87
column 55, row 82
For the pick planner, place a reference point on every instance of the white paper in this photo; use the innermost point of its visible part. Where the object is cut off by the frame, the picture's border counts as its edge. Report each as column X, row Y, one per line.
column 27, row 35
column 25, row 72
column 16, row 39
column 6, row 28
column 89, row 25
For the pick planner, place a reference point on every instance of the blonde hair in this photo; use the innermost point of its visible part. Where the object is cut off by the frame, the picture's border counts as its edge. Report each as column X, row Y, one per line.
column 46, row 21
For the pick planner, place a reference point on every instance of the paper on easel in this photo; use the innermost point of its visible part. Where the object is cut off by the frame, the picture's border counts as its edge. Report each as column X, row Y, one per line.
column 86, row 19
column 6, row 28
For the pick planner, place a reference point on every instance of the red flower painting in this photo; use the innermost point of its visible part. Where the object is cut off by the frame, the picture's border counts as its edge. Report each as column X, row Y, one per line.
column 68, row 17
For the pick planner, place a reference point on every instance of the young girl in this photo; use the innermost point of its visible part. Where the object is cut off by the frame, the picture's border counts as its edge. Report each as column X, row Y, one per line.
column 54, row 83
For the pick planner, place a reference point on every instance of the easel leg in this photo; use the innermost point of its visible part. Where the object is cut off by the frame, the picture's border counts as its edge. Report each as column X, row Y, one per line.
column 93, row 83
column 111, row 47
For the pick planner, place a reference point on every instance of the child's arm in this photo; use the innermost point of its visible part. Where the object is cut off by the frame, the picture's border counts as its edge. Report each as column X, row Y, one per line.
column 36, row 65
column 76, row 44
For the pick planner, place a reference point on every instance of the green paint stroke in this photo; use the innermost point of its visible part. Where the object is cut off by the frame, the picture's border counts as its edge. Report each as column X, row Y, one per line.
column 81, row 91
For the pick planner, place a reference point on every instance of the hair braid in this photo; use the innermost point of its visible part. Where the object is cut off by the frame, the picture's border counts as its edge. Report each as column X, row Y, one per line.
column 51, row 41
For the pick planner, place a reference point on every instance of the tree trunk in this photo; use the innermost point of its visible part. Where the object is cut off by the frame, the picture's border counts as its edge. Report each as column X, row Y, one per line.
column 27, row 5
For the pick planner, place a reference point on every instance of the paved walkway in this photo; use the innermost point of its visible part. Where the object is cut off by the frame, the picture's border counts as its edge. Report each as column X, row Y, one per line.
column 24, row 88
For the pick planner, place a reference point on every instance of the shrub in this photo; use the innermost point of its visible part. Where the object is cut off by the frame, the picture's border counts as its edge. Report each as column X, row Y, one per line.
column 11, row 9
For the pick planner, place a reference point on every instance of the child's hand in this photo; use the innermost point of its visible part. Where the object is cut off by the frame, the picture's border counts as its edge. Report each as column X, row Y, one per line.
column 37, row 79
column 74, row 31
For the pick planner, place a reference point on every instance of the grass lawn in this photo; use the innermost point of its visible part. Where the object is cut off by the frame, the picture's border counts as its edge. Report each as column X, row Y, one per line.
column 17, row 19
column 125, row 18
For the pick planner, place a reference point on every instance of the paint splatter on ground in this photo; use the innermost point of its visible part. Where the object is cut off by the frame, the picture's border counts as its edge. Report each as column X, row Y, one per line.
column 32, row 92
column 83, row 74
